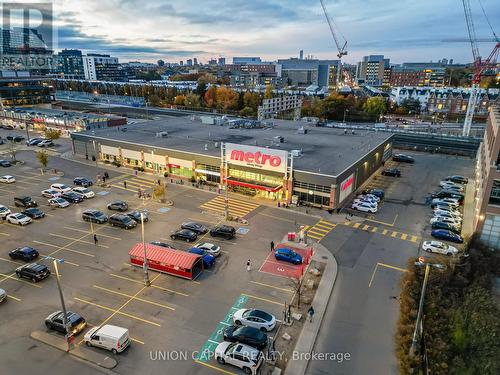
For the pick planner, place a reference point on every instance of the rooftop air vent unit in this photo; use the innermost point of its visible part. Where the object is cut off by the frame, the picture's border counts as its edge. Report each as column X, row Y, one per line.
column 161, row 134
column 296, row 153
column 206, row 147
column 216, row 144
column 302, row 130
column 279, row 139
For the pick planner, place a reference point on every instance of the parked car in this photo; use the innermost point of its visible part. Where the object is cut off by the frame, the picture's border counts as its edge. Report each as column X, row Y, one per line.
column 439, row 248
column 25, row 253
column 449, row 201
column 377, row 192
column 72, row 197
column 83, row 181
column 195, row 227
column 4, row 211
column 45, row 143
column 7, row 179
column 369, row 197
column 118, row 206
column 94, row 216
column 364, row 207
column 451, row 185
column 226, row 231
column 392, row 172
column 58, row 202
column 18, row 218
column 83, row 192
column 33, row 271
column 24, row 201
column 108, row 337
column 457, row 179
column 185, row 235
column 370, row 202
column 61, row 188
column 444, row 213
column 445, row 205
column 50, row 193
column 208, row 260
column 210, row 248
column 3, row 295
column 162, row 244
column 254, row 318
column 136, row 215
column 448, row 194
column 448, row 220
column 75, row 322
column 447, row 235
column 447, row 226
column 5, row 163
column 251, row 336
column 122, row 221
column 34, row 213
column 33, row 141
column 239, row 355
column 403, row 158
column 287, row 255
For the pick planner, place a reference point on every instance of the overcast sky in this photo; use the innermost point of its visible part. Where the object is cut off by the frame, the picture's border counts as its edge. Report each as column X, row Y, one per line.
column 146, row 30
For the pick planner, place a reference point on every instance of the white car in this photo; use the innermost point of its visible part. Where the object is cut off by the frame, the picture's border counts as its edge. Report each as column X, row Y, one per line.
column 448, row 184
column 210, row 248
column 83, row 192
column 45, row 143
column 18, row 218
column 240, row 355
column 58, row 202
column 452, row 214
column 254, row 318
column 7, row 179
column 450, row 201
column 364, row 207
column 448, row 220
column 50, row 193
column 4, row 211
column 3, row 295
column 373, row 203
column 61, row 188
column 451, row 209
column 439, row 248
column 369, row 197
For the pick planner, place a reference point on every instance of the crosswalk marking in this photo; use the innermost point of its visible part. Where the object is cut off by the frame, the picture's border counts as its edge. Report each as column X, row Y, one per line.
column 384, row 232
column 373, row 229
column 413, row 239
column 319, row 230
column 394, row 234
column 236, row 207
column 356, row 225
column 404, row 236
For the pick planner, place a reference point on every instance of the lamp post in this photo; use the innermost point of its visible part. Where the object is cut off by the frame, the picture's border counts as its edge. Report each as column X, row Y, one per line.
column 145, row 262
column 68, row 335
column 345, row 110
column 27, row 118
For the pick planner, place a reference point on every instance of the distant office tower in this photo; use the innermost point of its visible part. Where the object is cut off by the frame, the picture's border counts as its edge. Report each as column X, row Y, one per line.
column 301, row 54
column 222, row 61
column 181, row 63
column 161, row 63
column 246, row 60
column 102, row 68
column 195, row 61
column 373, row 70
column 70, row 64
column 189, row 62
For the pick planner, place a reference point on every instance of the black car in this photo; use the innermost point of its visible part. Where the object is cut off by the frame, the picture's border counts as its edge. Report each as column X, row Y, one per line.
column 449, row 194
column 226, row 231
column 136, row 215
column 94, row 216
column 122, row 221
column 403, row 158
column 15, row 138
column 5, row 163
column 83, row 181
column 72, row 197
column 393, row 172
column 33, row 271
column 195, row 227
column 246, row 335
column 457, row 179
column 162, row 244
column 34, row 141
column 75, row 322
column 447, row 226
column 34, row 213
column 377, row 192
column 184, row 234
column 25, row 253
column 118, row 206
column 24, row 201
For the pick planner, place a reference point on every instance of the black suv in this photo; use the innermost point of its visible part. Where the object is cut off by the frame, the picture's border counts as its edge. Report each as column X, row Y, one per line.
column 195, row 227
column 118, row 206
column 162, row 244
column 403, row 158
column 94, row 216
column 83, row 181
column 225, row 231
column 246, row 335
column 122, row 221
column 136, row 215
column 449, row 194
column 72, row 197
column 457, row 179
column 184, row 234
column 25, row 253
column 25, row 202
column 393, row 172
column 34, row 213
column 33, row 271
column 75, row 322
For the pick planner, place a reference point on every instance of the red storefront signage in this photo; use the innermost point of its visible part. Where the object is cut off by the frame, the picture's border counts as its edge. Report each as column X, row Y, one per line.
column 256, row 157
column 345, row 185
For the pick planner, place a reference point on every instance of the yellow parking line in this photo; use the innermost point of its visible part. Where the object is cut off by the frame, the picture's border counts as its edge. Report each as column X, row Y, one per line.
column 366, row 227
column 154, row 286
column 4, row 234
column 374, row 229
column 356, row 225
column 136, row 298
column 77, row 240
column 20, row 280
column 393, row 267
column 272, row 286
column 137, row 341
column 404, row 236
column 118, row 312
column 413, row 239
column 89, row 232
column 262, row 299
column 384, row 232
column 394, row 234
column 70, row 250
column 347, row 223
column 14, row 298
column 215, row 367
column 11, row 261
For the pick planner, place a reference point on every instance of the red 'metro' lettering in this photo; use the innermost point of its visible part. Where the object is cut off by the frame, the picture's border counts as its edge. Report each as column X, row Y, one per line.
column 257, row 158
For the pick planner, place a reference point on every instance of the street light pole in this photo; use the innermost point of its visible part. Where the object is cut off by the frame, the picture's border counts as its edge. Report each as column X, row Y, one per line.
column 420, row 308
column 145, row 262
column 65, row 319
column 26, row 124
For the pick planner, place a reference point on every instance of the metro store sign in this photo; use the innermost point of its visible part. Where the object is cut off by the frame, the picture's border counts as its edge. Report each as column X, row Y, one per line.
column 256, row 157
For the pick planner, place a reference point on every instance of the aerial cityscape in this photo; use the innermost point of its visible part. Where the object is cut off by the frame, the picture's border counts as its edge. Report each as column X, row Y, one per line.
column 250, row 187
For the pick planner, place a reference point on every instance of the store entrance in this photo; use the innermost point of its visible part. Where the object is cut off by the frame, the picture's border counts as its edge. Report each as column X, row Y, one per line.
column 243, row 190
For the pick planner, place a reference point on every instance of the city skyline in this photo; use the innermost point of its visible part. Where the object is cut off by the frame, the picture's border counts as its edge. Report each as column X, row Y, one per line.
column 271, row 29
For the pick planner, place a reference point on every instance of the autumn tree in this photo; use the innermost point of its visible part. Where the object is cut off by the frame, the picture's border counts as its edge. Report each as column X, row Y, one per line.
column 375, row 106
column 180, row 100
column 43, row 159
column 226, row 98
column 52, row 134
column 192, row 100
column 269, row 92
column 251, row 100
column 211, row 96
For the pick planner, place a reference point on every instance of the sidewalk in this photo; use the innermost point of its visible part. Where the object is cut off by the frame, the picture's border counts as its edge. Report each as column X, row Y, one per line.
column 102, row 360
column 307, row 338
column 469, row 212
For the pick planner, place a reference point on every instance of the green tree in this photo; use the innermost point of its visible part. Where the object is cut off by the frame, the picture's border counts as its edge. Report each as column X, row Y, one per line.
column 154, row 100
column 52, row 134
column 192, row 100
column 43, row 159
column 375, row 106
column 247, row 112
column 201, row 88
column 410, row 104
column 269, row 92
column 252, row 100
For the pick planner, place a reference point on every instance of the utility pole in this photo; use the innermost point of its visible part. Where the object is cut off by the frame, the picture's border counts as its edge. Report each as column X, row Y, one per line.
column 26, row 125
column 68, row 335
column 226, row 201
column 145, row 262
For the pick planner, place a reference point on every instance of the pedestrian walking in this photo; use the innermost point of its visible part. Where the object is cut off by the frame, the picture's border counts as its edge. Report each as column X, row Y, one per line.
column 95, row 239
column 310, row 312
column 106, row 174
column 125, row 184
column 159, row 182
column 272, row 245
column 139, row 192
column 249, row 265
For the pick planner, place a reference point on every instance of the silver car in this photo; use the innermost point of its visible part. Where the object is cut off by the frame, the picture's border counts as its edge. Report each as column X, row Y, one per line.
column 210, row 248
column 3, row 295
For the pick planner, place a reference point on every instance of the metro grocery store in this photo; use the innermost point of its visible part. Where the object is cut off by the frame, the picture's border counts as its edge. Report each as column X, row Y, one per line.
column 284, row 161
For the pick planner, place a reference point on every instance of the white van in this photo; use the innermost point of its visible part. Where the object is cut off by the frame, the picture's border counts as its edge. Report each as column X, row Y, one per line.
column 108, row 337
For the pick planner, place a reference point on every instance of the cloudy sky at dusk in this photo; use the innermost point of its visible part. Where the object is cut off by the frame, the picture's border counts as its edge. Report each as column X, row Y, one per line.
column 146, row 30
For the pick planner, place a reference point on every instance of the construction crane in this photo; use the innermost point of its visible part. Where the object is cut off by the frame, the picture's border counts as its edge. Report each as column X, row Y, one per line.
column 480, row 66
column 341, row 49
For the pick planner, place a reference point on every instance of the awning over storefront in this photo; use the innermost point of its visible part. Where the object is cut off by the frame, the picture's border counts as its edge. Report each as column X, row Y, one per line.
column 273, row 189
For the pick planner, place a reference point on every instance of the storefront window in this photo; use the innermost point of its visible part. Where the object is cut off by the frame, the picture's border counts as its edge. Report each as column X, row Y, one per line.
column 495, row 193
column 313, row 199
column 256, row 178
column 182, row 172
